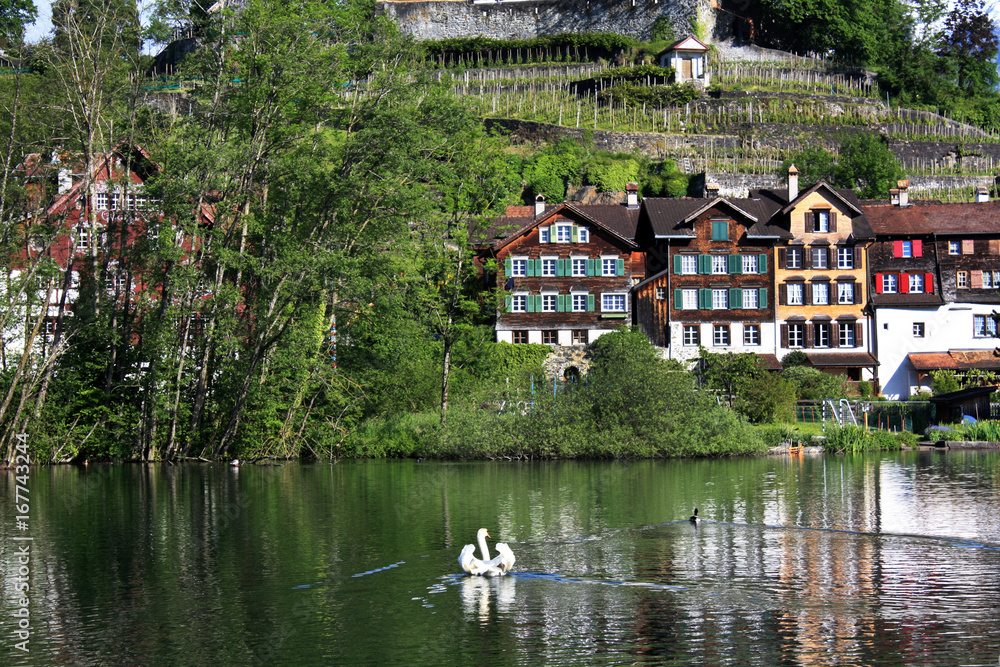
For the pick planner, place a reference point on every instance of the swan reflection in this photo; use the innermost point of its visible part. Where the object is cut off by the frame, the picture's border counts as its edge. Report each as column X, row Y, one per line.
column 477, row 592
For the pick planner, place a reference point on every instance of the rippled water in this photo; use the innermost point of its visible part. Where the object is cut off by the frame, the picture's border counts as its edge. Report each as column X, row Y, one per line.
column 888, row 559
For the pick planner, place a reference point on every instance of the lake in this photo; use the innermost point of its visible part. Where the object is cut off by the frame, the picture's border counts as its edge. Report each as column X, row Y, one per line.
column 817, row 560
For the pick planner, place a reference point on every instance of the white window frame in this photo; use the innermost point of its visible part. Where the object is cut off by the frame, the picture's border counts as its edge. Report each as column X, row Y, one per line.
column 583, row 234
column 820, row 258
column 720, row 299
column 691, row 334
column 954, row 247
column 721, row 335
column 518, row 267
column 751, row 299
column 720, row 265
column 578, row 301
column 917, row 283
column 962, row 280
column 564, row 233
column 611, row 301
column 845, row 258
column 847, row 333
column 821, row 334
column 751, row 334
column 890, row 283
column 550, row 263
column 519, row 303
column 543, row 234
column 984, row 326
column 574, row 263
column 906, row 249
column 821, row 294
column 796, row 334
column 101, row 201
column 821, row 222
column 82, row 235
column 919, row 330
column 689, row 265
column 550, row 302
column 845, row 293
column 689, row 299
column 609, row 266
column 796, row 293
column 750, row 264
column 794, row 258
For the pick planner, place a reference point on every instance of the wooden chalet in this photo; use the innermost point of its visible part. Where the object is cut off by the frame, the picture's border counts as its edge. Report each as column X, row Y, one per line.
column 568, row 270
column 712, row 275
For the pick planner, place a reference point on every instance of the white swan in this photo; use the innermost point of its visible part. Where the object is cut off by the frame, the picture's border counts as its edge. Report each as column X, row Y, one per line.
column 497, row 567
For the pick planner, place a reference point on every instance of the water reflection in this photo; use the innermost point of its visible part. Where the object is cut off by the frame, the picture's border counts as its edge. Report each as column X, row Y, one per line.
column 481, row 594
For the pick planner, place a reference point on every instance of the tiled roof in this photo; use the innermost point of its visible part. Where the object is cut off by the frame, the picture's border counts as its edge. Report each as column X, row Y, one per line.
column 841, row 359
column 955, row 360
column 861, row 226
column 982, row 218
column 666, row 216
column 617, row 218
column 769, row 362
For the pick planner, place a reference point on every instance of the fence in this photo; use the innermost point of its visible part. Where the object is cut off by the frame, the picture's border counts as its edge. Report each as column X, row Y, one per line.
column 913, row 416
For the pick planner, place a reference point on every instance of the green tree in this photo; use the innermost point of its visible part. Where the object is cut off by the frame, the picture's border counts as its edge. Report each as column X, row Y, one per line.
column 15, row 15
column 815, row 164
column 813, row 384
column 866, row 165
column 729, row 373
column 767, row 398
column 969, row 43
column 944, row 382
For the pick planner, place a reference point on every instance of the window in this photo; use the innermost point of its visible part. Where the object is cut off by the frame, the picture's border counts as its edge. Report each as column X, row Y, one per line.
column 846, row 331
column 751, row 334
column 916, row 283
column 550, row 337
column 749, row 263
column 984, row 326
column 82, row 237
column 661, row 293
column 580, row 303
column 819, row 256
column 720, row 335
column 794, row 258
column 689, row 299
column 579, row 337
column 906, row 249
column 116, row 280
column 889, row 283
column 750, row 299
column 962, row 279
column 987, row 279
column 720, row 299
column 519, row 267
column 564, row 233
column 720, row 264
column 795, row 291
column 954, row 247
column 549, row 303
column 689, row 265
column 845, row 258
column 519, row 303
column 796, row 334
column 918, row 329
column 821, row 222
column 720, row 230
column 520, row 337
column 609, row 266
column 692, row 335
column 821, row 294
column 102, row 201
column 583, row 234
column 549, row 269
column 845, row 293
column 821, row 334
column 613, row 303
column 543, row 235
column 579, row 266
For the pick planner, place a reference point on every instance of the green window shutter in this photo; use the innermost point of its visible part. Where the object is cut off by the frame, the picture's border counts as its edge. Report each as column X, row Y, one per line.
column 590, row 303
column 677, row 264
column 720, row 230
column 507, row 303
column 621, row 267
column 736, row 264
column 735, row 296
column 561, row 267
column 530, row 303
column 561, row 303
column 508, row 267
column 538, row 303
column 705, row 264
column 529, row 269
column 762, row 297
column 538, row 267
column 591, row 267
column 575, row 238
column 678, row 299
column 705, row 299
column 762, row 263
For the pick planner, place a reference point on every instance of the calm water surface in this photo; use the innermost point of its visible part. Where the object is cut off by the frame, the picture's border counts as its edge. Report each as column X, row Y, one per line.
column 880, row 559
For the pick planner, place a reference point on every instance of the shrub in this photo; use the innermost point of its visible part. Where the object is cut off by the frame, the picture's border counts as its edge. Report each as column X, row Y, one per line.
column 773, row 435
column 812, row 384
column 768, row 398
column 944, row 382
column 852, row 439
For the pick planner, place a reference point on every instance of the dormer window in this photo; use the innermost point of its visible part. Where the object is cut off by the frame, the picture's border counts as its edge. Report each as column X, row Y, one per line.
column 564, row 233
column 821, row 222
column 584, row 235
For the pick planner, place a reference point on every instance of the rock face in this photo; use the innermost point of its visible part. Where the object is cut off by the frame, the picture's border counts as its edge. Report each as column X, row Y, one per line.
column 524, row 19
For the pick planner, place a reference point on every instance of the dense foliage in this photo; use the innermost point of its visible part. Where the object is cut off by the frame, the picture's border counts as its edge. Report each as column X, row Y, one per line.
column 865, row 164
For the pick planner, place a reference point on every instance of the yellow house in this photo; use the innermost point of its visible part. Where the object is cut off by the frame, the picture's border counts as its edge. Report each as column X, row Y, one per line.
column 820, row 278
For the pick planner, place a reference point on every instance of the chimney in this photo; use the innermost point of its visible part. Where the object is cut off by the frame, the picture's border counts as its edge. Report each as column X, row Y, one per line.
column 982, row 194
column 793, row 183
column 632, row 195
column 894, row 196
column 904, row 193
column 712, row 190
column 65, row 181
column 539, row 205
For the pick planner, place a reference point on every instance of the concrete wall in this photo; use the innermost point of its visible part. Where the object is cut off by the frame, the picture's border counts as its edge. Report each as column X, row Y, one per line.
column 524, row 20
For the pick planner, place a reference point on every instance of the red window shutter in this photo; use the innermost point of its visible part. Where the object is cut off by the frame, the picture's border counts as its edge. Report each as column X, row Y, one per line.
column 878, row 283
column 929, row 283
column 904, row 283
column 833, row 221
column 897, row 248
column 918, row 248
